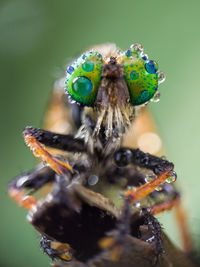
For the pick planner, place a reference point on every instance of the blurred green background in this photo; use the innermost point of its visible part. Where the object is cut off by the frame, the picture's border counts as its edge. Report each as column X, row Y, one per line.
column 37, row 37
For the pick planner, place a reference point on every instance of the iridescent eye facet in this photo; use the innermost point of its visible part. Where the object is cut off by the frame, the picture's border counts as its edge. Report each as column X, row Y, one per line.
column 83, row 78
column 141, row 76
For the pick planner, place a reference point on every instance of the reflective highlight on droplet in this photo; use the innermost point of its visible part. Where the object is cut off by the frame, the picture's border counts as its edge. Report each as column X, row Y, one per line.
column 161, row 77
column 158, row 188
column 150, row 178
column 172, row 178
column 156, row 97
column 137, row 204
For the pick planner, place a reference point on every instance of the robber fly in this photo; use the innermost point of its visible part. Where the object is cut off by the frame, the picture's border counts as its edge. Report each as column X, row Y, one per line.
column 105, row 89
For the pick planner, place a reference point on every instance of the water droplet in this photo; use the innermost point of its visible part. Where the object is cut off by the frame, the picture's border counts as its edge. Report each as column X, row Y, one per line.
column 156, row 97
column 82, row 86
column 119, row 52
column 35, row 153
column 88, row 66
column 136, row 48
column 128, row 53
column 150, row 178
column 70, row 69
column 172, row 178
column 93, row 179
column 158, row 188
column 145, row 57
column 149, row 240
column 151, row 67
column 71, row 101
column 137, row 204
column 164, row 158
column 161, row 77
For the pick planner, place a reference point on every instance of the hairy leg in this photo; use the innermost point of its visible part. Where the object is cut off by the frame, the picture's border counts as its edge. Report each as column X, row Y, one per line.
column 22, row 187
column 162, row 168
column 54, row 140
column 60, row 167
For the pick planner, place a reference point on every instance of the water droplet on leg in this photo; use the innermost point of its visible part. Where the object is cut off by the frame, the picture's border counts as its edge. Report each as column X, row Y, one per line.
column 158, row 188
column 172, row 178
column 150, row 178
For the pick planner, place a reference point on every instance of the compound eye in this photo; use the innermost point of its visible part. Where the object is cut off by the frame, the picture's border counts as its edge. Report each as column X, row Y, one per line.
column 83, row 78
column 141, row 75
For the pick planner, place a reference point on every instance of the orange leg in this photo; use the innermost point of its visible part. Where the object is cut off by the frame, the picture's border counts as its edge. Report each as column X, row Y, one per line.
column 144, row 190
column 55, row 249
column 60, row 167
column 62, row 249
column 181, row 217
column 23, row 200
column 38, row 150
column 165, row 205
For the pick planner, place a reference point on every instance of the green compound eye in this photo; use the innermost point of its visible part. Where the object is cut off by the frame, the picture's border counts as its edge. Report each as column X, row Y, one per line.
column 141, row 75
column 83, row 77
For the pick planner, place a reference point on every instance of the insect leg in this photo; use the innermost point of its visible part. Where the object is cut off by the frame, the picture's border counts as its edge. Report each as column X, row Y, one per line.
column 126, row 156
column 26, row 201
column 159, row 166
column 181, row 218
column 21, row 188
column 165, row 205
column 38, row 150
column 54, row 140
column 164, row 169
column 155, row 229
column 55, row 249
column 136, row 194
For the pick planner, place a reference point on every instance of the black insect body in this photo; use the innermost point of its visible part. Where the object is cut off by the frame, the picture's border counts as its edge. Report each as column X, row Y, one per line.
column 76, row 219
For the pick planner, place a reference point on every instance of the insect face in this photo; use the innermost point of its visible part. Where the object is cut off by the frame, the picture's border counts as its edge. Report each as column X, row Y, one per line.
column 112, row 86
column 84, row 76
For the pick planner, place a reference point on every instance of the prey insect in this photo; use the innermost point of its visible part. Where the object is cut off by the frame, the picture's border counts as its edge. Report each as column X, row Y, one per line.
column 106, row 88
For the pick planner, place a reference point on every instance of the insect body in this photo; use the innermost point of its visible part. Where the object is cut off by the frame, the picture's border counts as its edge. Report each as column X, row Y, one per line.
column 75, row 219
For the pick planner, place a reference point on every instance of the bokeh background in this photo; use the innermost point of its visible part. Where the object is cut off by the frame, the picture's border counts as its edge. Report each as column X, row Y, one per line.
column 37, row 38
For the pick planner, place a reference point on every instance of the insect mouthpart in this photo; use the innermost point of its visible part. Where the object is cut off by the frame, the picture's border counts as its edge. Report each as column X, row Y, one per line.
column 114, row 111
